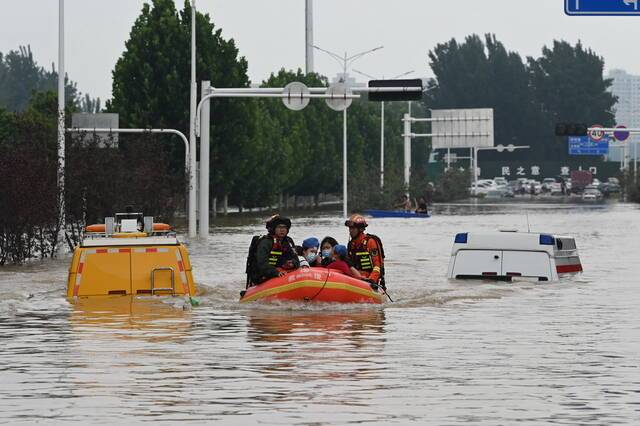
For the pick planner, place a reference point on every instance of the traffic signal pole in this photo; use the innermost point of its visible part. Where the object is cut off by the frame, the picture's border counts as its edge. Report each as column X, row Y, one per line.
column 631, row 131
column 62, row 222
column 407, row 152
column 279, row 92
column 193, row 98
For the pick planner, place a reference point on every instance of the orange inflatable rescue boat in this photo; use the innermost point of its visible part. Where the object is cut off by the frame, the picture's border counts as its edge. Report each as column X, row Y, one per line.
column 314, row 285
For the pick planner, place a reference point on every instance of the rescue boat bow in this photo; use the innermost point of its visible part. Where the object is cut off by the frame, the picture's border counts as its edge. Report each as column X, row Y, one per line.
column 314, row 285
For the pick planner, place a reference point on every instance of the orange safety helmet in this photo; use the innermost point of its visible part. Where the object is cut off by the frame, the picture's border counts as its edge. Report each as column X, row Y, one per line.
column 357, row 221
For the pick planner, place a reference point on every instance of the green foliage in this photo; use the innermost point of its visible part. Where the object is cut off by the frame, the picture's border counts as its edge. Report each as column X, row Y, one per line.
column 452, row 185
column 483, row 74
column 565, row 83
column 569, row 86
column 21, row 76
column 90, row 105
column 28, row 161
column 151, row 85
column 98, row 181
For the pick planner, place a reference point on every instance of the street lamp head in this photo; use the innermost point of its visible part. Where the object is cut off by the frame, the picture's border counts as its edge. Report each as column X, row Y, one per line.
column 403, row 74
column 364, row 74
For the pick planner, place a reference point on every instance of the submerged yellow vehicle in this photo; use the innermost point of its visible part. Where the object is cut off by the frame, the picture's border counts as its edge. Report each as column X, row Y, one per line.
column 128, row 255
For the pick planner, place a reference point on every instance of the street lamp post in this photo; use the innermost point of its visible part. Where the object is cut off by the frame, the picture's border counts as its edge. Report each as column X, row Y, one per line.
column 192, row 132
column 345, row 61
column 61, row 128
column 382, row 122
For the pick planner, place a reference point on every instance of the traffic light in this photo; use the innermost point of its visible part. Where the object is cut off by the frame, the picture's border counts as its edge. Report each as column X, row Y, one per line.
column 402, row 94
column 571, row 129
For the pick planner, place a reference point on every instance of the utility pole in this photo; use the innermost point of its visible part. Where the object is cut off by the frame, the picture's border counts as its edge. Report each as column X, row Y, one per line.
column 407, row 152
column 345, row 61
column 382, row 122
column 61, row 128
column 204, row 164
column 192, row 131
column 308, row 47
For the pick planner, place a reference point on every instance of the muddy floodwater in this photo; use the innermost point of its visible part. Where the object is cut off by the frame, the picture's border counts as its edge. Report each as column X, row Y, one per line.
column 444, row 353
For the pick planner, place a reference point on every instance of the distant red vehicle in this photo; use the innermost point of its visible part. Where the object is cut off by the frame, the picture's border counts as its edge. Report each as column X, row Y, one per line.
column 580, row 179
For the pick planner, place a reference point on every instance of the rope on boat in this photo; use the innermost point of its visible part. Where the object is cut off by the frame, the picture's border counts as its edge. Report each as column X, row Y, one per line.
column 321, row 288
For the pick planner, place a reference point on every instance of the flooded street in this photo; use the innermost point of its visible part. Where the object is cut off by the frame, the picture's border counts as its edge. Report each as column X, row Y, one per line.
column 444, row 352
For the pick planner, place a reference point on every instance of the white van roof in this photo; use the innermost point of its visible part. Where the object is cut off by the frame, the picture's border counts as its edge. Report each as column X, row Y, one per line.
column 506, row 240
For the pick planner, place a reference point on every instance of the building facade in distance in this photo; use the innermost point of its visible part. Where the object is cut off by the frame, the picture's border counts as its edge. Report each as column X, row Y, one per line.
column 627, row 88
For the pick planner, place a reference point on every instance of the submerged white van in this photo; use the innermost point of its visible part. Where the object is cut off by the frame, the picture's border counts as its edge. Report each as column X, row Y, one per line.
column 507, row 254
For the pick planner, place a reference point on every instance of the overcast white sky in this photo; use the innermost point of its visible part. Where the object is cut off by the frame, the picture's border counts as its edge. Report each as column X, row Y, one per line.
column 270, row 33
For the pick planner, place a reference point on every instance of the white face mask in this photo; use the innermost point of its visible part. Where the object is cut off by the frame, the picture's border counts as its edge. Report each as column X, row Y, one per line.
column 311, row 257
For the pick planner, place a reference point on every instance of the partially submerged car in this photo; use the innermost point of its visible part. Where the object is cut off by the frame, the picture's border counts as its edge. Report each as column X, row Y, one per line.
column 507, row 255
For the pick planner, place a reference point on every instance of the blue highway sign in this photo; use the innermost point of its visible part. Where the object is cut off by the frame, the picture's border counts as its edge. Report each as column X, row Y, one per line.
column 584, row 145
column 601, row 7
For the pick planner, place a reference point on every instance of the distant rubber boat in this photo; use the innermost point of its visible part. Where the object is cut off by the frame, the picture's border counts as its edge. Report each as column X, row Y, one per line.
column 395, row 213
column 314, row 285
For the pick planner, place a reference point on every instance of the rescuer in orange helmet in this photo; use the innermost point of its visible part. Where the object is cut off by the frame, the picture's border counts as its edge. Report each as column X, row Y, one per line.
column 365, row 251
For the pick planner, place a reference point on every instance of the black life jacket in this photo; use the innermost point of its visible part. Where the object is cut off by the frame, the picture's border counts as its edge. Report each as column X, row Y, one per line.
column 281, row 252
column 278, row 256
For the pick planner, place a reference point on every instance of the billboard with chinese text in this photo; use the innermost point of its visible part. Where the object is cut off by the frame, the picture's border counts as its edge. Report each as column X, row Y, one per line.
column 513, row 170
column 462, row 128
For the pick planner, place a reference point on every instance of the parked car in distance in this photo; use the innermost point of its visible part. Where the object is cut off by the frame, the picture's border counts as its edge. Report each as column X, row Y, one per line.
column 608, row 188
column 479, row 189
column 591, row 193
column 546, row 184
column 500, row 181
column 533, row 187
column 500, row 192
column 555, row 188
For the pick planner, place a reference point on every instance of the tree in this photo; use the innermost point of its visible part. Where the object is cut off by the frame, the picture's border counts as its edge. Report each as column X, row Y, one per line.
column 483, row 74
column 569, row 85
column 564, row 84
column 21, row 76
column 90, row 105
column 151, row 84
column 306, row 141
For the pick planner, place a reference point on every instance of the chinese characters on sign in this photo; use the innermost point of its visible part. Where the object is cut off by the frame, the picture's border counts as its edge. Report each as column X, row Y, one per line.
column 584, row 145
column 520, row 171
column 537, row 171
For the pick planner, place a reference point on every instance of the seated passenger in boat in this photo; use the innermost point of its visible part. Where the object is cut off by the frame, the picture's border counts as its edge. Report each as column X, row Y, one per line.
column 422, row 206
column 309, row 252
column 404, row 204
column 301, row 259
column 272, row 255
column 326, row 250
column 340, row 263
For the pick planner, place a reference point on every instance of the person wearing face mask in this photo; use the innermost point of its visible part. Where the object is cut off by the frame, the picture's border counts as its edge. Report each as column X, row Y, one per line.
column 326, row 250
column 310, row 248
